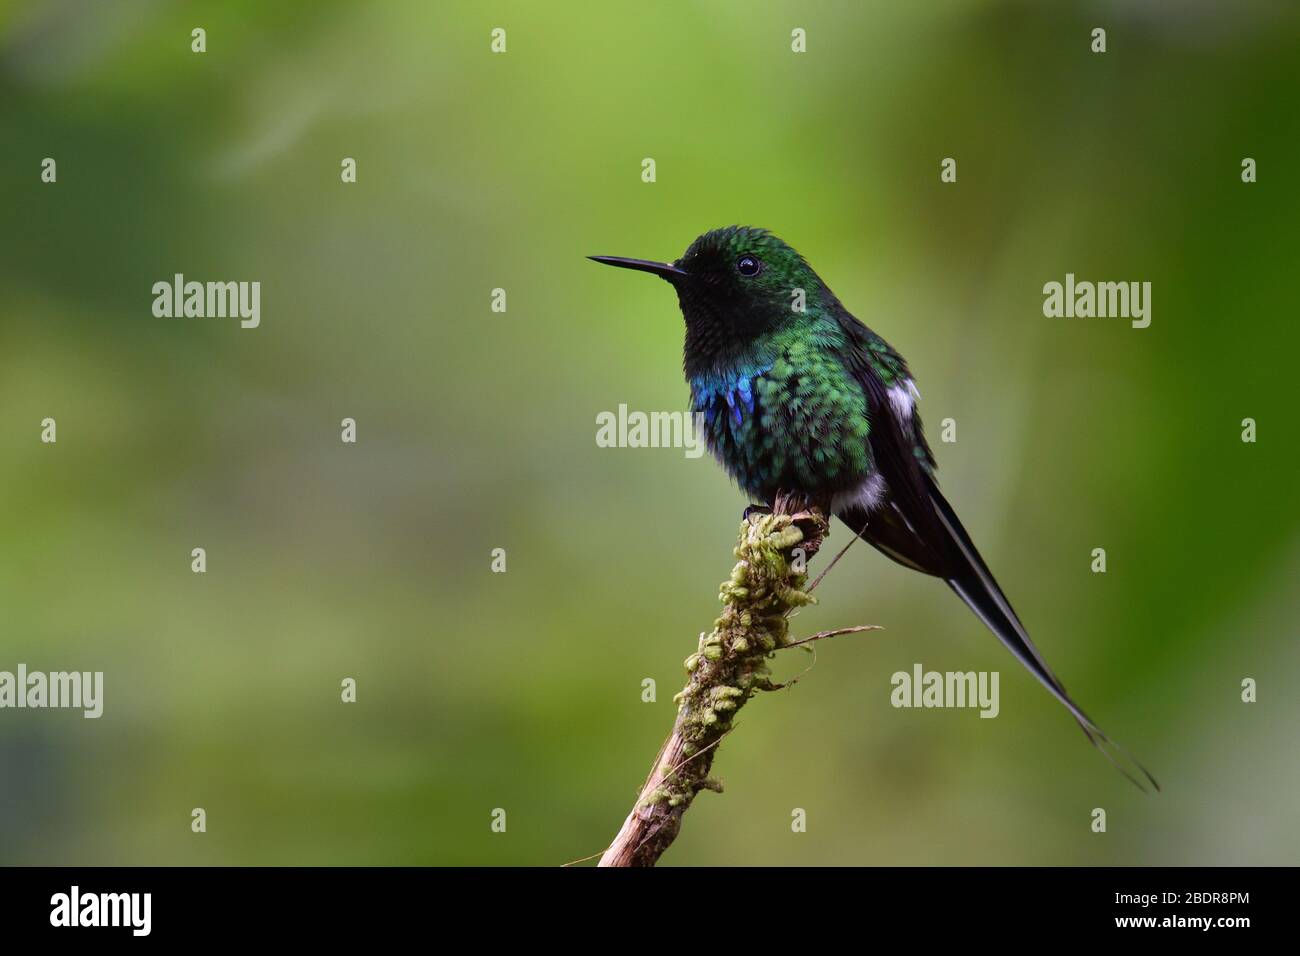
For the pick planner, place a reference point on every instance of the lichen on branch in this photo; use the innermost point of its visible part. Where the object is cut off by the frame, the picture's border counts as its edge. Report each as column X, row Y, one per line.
column 728, row 668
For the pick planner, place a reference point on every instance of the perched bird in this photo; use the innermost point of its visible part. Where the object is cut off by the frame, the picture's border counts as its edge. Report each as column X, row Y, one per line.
column 799, row 397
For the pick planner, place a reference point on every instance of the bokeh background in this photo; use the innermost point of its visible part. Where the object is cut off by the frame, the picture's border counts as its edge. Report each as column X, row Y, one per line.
column 476, row 429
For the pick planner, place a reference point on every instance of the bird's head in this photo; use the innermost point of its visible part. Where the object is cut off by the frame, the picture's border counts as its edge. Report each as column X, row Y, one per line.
column 735, row 284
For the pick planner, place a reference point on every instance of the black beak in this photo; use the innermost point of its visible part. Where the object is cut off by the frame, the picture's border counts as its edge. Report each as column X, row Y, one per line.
column 664, row 270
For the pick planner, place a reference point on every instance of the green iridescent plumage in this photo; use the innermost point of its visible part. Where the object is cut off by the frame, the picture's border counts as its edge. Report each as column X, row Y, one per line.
column 803, row 426
column 809, row 424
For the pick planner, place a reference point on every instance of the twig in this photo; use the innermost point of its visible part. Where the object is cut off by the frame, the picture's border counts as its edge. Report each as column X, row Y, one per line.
column 834, row 561
column 729, row 667
column 822, row 635
column 581, row 859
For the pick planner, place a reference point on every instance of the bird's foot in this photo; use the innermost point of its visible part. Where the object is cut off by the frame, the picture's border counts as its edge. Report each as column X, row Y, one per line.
column 755, row 510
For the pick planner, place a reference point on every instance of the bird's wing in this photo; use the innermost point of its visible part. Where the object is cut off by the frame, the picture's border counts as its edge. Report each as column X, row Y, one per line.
column 914, row 525
column 916, row 522
column 906, row 526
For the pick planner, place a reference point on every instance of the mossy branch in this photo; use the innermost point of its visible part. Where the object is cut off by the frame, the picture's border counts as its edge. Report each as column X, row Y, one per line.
column 729, row 667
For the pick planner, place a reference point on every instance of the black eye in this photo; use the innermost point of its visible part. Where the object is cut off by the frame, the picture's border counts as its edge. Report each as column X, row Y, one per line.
column 749, row 266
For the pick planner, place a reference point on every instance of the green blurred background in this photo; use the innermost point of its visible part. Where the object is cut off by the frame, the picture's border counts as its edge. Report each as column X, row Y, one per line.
column 476, row 429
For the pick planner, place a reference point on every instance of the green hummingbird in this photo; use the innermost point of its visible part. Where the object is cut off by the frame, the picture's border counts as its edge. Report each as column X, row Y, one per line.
column 797, row 396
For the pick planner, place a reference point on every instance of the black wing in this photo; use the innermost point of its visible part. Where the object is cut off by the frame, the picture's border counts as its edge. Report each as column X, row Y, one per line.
column 914, row 525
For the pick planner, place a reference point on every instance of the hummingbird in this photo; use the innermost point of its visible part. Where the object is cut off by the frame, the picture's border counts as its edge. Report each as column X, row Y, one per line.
column 796, row 396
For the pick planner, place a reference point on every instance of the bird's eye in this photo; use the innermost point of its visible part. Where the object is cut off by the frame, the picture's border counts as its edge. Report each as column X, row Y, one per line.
column 749, row 266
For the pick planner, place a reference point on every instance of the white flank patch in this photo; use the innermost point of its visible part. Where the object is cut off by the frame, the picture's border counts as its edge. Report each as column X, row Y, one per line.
column 866, row 496
column 903, row 398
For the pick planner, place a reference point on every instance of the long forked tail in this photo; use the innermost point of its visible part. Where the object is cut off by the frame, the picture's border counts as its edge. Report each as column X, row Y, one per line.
column 972, row 581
